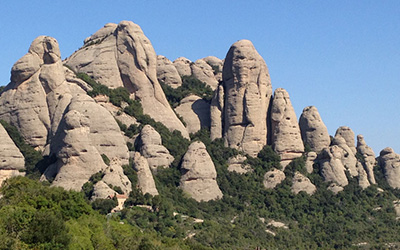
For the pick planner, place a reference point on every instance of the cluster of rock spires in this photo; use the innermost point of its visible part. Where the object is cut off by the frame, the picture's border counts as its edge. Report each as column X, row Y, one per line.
column 50, row 107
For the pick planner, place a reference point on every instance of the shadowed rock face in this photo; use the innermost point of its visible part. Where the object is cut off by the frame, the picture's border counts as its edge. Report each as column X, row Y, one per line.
column 286, row 137
column 390, row 162
column 313, row 130
column 198, row 174
column 247, row 93
column 122, row 56
column 195, row 112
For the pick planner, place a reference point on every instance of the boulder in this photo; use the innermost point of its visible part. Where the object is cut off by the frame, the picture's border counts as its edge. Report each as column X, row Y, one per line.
column 362, row 176
column 122, row 56
column 390, row 163
column 145, row 178
column 101, row 191
column 195, row 112
column 167, row 73
column 369, row 158
column 152, row 149
column 10, row 156
column 198, row 174
column 9, row 173
column 237, row 164
column 286, row 136
column 247, row 88
column 182, row 65
column 302, row 183
column 205, row 73
column 273, row 177
column 313, row 130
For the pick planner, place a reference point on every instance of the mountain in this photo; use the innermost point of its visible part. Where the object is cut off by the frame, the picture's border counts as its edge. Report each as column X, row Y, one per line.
column 203, row 152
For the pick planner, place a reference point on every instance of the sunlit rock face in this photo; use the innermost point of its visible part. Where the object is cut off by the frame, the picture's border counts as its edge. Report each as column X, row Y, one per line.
column 241, row 118
column 122, row 56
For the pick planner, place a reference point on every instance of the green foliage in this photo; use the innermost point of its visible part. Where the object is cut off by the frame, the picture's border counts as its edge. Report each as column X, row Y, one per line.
column 32, row 157
column 106, row 160
column 2, row 88
column 104, row 206
column 190, row 85
column 88, row 187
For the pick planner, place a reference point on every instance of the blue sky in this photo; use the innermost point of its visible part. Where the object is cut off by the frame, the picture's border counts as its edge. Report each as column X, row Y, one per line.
column 341, row 56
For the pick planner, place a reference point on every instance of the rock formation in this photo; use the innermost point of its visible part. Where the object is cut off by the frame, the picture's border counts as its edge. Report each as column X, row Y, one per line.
column 272, row 178
column 152, row 149
column 216, row 113
column 205, row 73
column 237, row 164
column 217, row 66
column 313, row 130
column 122, row 56
column 349, row 159
column 10, row 156
column 195, row 112
column 348, row 136
column 145, row 178
column 167, row 73
column 368, row 155
column 332, row 168
column 390, row 163
column 302, row 183
column 198, row 174
column 182, row 65
column 311, row 157
column 248, row 90
column 286, row 137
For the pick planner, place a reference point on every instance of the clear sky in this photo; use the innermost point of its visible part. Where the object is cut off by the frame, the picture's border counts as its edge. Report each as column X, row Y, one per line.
column 341, row 56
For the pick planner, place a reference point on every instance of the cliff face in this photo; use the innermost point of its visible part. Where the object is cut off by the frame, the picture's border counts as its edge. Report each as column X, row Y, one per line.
column 51, row 108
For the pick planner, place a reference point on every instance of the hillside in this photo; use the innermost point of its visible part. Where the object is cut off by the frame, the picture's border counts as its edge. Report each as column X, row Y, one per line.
column 121, row 145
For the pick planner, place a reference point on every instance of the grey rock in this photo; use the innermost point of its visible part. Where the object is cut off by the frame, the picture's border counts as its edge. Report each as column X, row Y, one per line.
column 390, row 162
column 286, row 136
column 313, row 130
column 182, row 65
column 302, row 183
column 10, row 156
column 167, row 73
column 237, row 164
column 273, row 177
column 369, row 158
column 145, row 178
column 195, row 112
column 198, row 174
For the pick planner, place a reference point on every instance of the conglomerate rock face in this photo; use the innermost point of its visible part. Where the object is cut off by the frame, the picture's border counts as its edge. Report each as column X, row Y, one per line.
column 302, row 183
column 313, row 129
column 332, row 168
column 198, row 174
column 247, row 93
column 122, row 56
column 286, row 137
column 145, row 177
column 390, row 162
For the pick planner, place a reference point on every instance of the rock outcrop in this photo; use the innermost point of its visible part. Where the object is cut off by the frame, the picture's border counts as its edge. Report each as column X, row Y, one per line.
column 204, row 72
column 313, row 130
column 152, row 149
column 182, row 65
column 247, row 88
column 198, row 174
column 10, row 156
column 332, row 168
column 390, row 163
column 349, row 159
column 145, row 178
column 122, row 56
column 216, row 113
column 167, row 73
column 273, row 177
column 217, row 66
column 302, row 183
column 195, row 112
column 348, row 136
column 369, row 160
column 286, row 137
column 310, row 159
column 237, row 164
